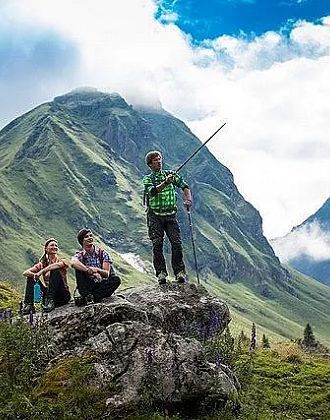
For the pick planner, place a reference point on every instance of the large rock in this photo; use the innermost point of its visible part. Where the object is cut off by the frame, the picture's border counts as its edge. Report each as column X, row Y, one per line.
column 148, row 347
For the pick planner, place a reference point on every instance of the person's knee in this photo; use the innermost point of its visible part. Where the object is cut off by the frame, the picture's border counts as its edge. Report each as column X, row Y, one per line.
column 30, row 281
column 177, row 244
column 80, row 275
column 157, row 243
column 115, row 280
column 55, row 275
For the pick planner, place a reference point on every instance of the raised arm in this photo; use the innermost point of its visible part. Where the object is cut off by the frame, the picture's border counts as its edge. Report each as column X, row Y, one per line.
column 155, row 189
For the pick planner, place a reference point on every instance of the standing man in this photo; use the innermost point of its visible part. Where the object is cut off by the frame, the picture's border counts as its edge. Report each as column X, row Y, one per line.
column 160, row 194
column 95, row 275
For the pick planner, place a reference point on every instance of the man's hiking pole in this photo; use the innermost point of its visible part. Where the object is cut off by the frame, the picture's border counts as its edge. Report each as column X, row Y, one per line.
column 200, row 147
column 193, row 242
column 187, row 207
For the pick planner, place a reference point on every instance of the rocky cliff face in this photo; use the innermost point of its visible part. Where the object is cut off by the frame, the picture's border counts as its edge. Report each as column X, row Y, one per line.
column 147, row 347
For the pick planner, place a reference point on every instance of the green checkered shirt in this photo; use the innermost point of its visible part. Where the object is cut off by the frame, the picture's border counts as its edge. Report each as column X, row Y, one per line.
column 164, row 202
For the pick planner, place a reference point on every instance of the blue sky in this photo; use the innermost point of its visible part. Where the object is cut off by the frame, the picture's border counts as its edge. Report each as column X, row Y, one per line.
column 209, row 19
column 261, row 66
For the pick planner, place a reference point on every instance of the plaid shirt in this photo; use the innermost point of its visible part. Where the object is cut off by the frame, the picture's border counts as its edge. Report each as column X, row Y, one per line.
column 164, row 202
column 92, row 259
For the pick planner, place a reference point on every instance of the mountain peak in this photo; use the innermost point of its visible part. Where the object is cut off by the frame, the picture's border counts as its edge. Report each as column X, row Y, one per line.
column 87, row 96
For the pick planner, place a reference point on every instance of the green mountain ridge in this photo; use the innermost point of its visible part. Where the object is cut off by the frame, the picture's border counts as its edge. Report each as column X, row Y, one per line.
column 78, row 161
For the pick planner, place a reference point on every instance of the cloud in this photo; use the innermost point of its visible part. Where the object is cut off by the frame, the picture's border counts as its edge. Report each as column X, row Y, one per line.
column 122, row 46
column 28, row 52
column 305, row 40
column 272, row 90
column 33, row 60
column 308, row 241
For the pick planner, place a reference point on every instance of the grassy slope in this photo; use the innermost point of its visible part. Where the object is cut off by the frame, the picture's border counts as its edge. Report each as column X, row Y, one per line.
column 282, row 385
column 282, row 316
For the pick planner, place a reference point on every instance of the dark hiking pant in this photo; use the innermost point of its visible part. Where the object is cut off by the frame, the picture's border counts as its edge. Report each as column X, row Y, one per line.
column 99, row 290
column 56, row 289
column 157, row 226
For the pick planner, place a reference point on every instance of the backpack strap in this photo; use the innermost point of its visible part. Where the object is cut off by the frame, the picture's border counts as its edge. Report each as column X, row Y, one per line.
column 101, row 256
column 101, row 259
column 146, row 196
column 83, row 259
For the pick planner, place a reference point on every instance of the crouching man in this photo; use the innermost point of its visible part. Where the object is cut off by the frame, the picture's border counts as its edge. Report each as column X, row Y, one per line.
column 95, row 275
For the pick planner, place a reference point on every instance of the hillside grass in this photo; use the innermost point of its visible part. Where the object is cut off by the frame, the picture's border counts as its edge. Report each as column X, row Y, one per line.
column 284, row 315
column 286, row 383
column 9, row 297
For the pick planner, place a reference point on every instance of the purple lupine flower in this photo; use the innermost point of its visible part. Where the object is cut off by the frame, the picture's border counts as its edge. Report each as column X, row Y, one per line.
column 214, row 323
column 10, row 315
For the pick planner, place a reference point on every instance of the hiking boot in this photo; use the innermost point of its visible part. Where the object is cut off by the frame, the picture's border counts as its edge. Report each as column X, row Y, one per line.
column 89, row 300
column 49, row 305
column 162, row 277
column 78, row 299
column 181, row 277
column 28, row 308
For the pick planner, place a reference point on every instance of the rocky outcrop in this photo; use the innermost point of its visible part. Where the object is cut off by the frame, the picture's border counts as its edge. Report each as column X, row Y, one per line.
column 147, row 348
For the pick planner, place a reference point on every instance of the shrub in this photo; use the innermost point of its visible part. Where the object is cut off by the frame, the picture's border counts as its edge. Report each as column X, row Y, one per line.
column 23, row 358
column 288, row 352
column 221, row 349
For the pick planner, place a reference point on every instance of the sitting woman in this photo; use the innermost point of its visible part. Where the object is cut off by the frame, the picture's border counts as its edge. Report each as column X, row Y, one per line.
column 55, row 288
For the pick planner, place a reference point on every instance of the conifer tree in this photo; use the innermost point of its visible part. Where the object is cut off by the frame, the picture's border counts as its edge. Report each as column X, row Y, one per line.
column 253, row 342
column 265, row 342
column 240, row 343
column 309, row 338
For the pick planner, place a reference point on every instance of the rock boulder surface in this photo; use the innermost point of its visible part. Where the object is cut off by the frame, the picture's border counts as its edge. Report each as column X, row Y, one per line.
column 147, row 347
